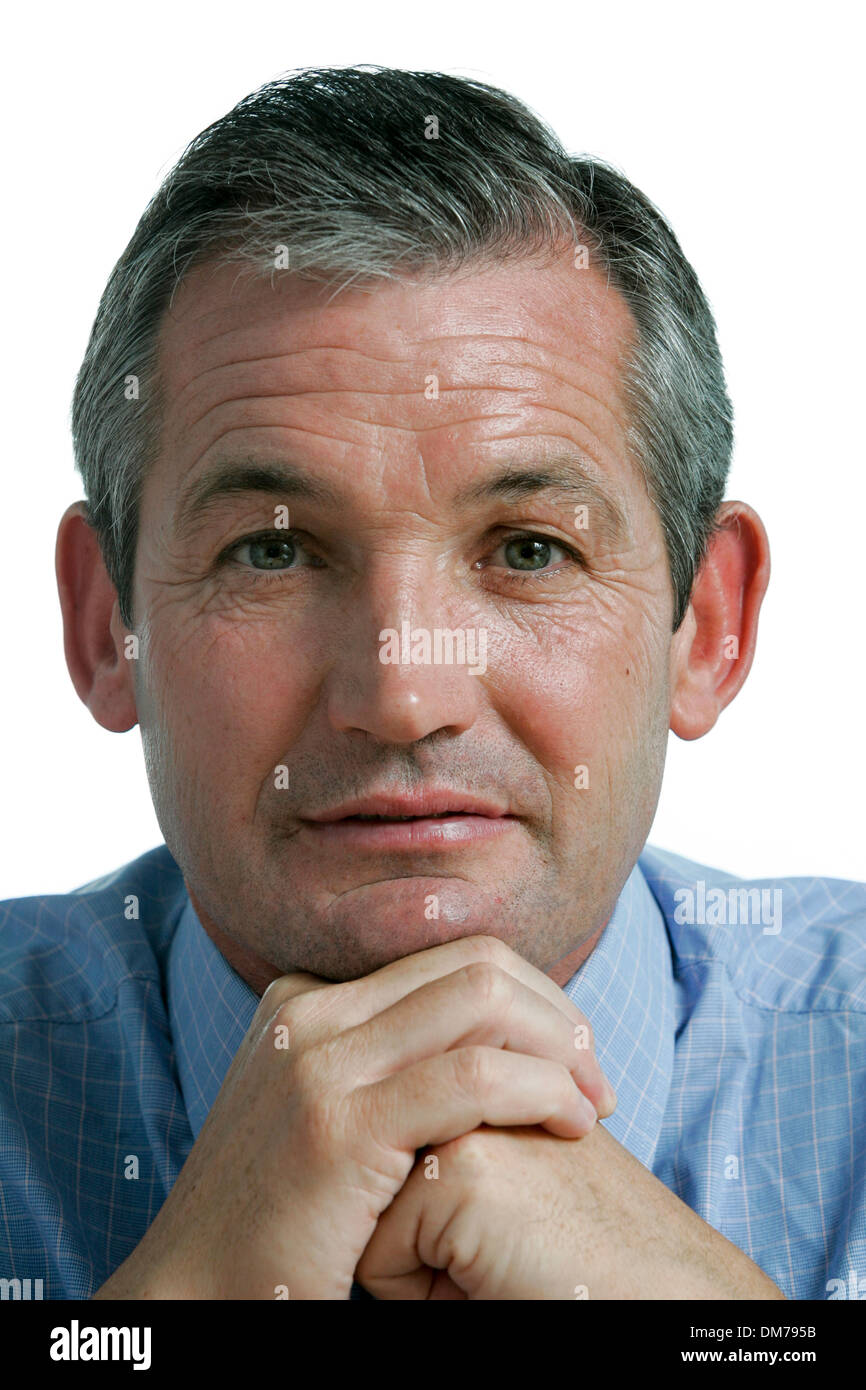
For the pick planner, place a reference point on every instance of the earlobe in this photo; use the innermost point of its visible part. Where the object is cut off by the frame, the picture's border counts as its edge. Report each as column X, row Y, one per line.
column 92, row 631
column 712, row 653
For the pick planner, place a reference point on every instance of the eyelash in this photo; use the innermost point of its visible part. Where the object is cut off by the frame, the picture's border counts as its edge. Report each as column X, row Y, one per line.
column 514, row 577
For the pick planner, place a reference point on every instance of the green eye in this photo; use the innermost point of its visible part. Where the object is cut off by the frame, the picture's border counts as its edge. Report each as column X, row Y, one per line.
column 270, row 552
column 528, row 554
column 267, row 553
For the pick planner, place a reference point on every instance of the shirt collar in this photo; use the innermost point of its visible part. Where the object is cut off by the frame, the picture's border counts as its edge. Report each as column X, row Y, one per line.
column 210, row 1008
column 625, row 988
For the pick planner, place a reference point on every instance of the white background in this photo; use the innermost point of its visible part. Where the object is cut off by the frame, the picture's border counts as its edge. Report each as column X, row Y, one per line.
column 741, row 122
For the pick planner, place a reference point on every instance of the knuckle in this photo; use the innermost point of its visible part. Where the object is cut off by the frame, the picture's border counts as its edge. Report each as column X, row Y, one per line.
column 279, row 991
column 319, row 1103
column 322, row 1127
column 284, row 1028
column 474, row 1070
column 289, row 1012
column 308, row 1069
column 470, row 1152
column 309, row 1015
column 490, row 949
column 277, row 1006
column 490, row 985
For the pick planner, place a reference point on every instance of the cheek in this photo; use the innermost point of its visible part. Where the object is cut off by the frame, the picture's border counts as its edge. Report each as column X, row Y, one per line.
column 583, row 694
column 225, row 696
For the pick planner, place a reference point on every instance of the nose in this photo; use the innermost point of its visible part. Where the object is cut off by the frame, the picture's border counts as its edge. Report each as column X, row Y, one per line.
column 403, row 670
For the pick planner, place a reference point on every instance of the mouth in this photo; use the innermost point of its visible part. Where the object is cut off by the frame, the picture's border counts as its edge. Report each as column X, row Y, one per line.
column 437, row 815
column 427, row 829
column 427, row 803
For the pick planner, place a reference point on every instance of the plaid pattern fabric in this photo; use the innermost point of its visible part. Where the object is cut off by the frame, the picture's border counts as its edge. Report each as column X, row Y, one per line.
column 729, row 1014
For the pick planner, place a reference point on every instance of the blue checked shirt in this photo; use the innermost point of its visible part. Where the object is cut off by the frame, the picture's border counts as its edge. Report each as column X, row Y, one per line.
column 731, row 1024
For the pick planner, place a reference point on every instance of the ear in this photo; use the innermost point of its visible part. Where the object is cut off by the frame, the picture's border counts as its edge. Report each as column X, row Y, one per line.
column 93, row 634
column 712, row 652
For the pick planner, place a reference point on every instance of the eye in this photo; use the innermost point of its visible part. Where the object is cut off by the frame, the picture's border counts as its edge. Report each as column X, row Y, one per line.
column 268, row 551
column 531, row 554
column 526, row 556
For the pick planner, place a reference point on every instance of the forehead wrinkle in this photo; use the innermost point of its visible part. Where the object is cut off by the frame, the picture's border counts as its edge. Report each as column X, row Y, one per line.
column 202, row 377
column 544, row 359
column 349, row 389
column 423, row 344
column 311, row 397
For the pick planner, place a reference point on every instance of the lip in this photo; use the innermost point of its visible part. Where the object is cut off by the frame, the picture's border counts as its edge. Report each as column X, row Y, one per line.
column 469, row 819
column 424, row 833
column 430, row 802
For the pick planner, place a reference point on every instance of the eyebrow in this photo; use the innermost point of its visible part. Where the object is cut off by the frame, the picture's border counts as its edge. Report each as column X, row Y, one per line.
column 564, row 476
column 233, row 477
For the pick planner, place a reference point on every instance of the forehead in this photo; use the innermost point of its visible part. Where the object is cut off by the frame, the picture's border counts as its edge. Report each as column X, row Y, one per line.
column 219, row 310
column 513, row 347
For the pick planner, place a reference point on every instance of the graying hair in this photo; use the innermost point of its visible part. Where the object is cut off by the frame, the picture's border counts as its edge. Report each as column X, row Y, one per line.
column 338, row 166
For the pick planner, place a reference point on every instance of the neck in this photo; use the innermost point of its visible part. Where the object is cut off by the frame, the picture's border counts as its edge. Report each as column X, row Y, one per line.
column 561, row 972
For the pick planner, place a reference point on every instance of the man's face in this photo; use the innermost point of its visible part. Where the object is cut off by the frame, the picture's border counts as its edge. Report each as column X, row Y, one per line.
column 406, row 404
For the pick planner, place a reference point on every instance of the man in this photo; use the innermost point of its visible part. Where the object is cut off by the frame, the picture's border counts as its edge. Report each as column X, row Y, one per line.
column 404, row 438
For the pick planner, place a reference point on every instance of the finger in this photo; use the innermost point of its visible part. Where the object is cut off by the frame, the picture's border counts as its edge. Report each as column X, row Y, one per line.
column 355, row 1001
column 477, row 1004
column 374, row 992
column 394, row 1265
column 443, row 1097
column 400, row 977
